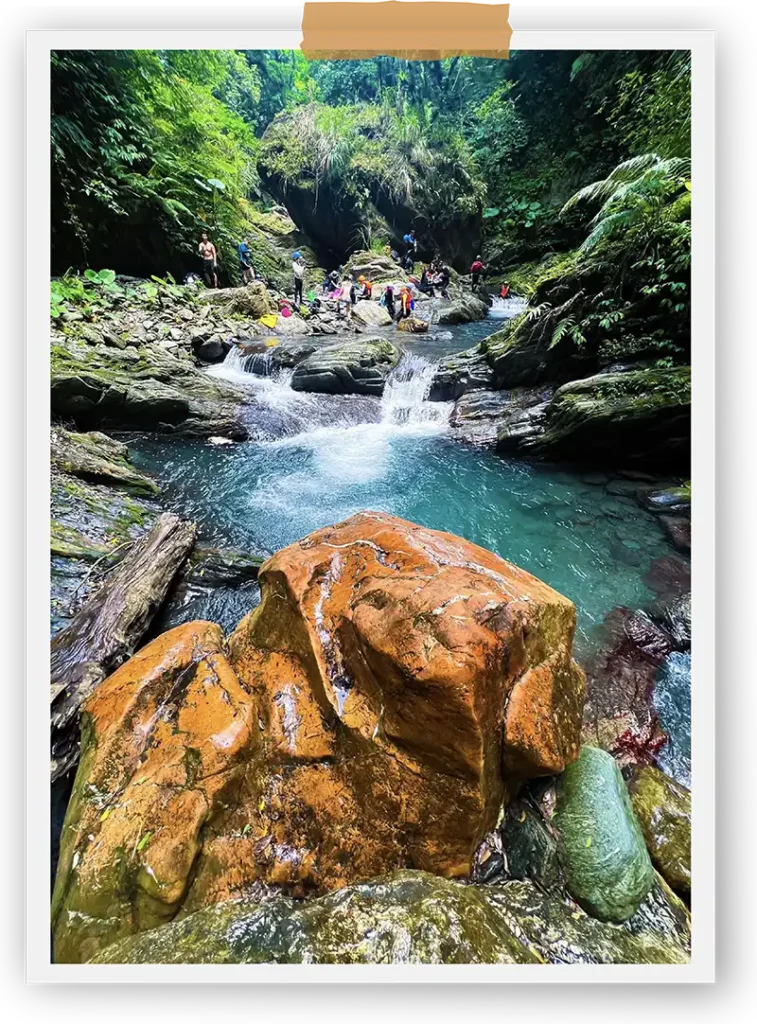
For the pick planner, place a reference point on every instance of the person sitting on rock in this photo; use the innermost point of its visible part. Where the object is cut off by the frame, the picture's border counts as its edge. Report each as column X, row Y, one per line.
column 366, row 288
column 245, row 262
column 476, row 272
column 426, row 285
column 298, row 272
column 504, row 290
column 209, row 258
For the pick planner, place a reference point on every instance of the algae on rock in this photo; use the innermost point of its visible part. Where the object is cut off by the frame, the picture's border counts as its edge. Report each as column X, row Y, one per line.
column 601, row 844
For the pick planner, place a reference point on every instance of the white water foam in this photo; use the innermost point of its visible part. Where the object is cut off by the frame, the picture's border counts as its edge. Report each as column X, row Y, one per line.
column 506, row 309
column 405, row 399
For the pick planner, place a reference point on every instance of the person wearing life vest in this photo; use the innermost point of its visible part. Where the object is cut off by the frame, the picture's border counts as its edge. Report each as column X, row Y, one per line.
column 476, row 270
column 406, row 304
column 504, row 290
column 366, row 288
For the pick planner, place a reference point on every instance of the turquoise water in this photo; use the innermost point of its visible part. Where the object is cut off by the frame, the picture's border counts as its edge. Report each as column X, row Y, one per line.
column 319, row 459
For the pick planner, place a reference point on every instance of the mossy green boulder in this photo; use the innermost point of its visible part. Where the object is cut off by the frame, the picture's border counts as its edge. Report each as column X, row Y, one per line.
column 641, row 417
column 663, row 809
column 601, row 845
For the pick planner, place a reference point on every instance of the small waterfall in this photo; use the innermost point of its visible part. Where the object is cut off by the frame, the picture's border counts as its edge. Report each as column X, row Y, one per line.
column 405, row 399
column 506, row 309
column 238, row 361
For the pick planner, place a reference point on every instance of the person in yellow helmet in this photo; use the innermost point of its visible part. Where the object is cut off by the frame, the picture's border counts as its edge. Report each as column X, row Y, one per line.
column 366, row 288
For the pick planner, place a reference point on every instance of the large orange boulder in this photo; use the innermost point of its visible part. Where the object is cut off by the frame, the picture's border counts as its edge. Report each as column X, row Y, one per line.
column 392, row 689
column 164, row 742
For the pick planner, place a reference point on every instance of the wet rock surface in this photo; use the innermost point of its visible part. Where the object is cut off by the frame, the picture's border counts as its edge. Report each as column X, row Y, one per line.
column 412, row 325
column 412, row 917
column 482, row 416
column 619, row 715
column 457, row 374
column 463, row 310
column 640, row 417
column 394, row 686
column 347, row 368
column 151, row 389
column 601, row 845
column 92, row 524
column 663, row 809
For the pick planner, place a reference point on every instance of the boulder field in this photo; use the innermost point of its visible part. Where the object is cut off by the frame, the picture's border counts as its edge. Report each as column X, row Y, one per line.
column 394, row 688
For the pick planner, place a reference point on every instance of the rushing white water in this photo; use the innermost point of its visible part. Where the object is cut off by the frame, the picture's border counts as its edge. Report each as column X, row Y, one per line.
column 354, row 428
column 405, row 399
column 506, row 309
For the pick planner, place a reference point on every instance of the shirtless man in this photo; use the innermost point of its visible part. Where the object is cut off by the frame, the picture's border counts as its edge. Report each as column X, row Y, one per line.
column 209, row 257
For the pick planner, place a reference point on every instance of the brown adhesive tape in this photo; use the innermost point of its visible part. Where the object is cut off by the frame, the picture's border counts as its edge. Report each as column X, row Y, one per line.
column 413, row 31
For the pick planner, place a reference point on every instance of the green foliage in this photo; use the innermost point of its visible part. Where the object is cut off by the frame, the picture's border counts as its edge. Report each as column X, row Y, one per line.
column 365, row 149
column 145, row 154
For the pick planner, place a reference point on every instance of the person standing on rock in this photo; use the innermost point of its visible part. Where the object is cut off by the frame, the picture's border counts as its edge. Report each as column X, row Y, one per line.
column 245, row 262
column 406, row 304
column 366, row 288
column 298, row 271
column 444, row 281
column 388, row 300
column 476, row 272
column 209, row 258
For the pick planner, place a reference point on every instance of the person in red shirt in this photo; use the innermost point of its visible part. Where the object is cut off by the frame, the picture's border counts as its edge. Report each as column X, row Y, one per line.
column 504, row 290
column 476, row 270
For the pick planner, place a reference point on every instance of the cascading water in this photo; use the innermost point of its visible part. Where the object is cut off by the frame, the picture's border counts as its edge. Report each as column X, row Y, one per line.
column 405, row 399
column 274, row 410
column 506, row 309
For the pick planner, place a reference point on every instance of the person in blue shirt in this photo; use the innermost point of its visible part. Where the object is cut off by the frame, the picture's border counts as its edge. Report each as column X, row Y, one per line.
column 245, row 262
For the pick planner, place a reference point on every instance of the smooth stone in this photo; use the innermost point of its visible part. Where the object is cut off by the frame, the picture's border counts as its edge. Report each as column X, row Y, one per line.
column 601, row 844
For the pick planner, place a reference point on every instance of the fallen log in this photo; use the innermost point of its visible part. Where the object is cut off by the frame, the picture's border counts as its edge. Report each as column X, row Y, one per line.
column 108, row 629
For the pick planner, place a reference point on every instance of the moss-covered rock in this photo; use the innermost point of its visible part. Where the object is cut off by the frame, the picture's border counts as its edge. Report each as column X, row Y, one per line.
column 90, row 522
column 663, row 809
column 641, row 417
column 358, row 367
column 98, row 458
column 606, row 861
column 413, row 917
column 148, row 388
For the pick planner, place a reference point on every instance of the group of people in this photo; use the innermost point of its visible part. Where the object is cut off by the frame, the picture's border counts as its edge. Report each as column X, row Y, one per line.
column 435, row 275
column 342, row 287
